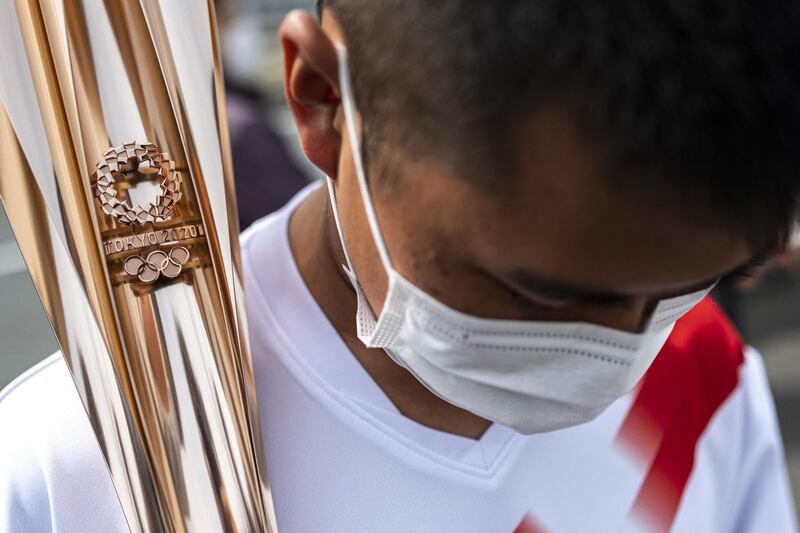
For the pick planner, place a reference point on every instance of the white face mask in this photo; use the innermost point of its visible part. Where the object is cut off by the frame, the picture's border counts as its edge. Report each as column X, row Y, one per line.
column 530, row 376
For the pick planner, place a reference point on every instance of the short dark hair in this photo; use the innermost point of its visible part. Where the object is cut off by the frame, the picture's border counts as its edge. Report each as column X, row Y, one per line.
column 697, row 100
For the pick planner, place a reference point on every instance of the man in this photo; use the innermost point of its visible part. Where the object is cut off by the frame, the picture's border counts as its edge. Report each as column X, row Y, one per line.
column 544, row 189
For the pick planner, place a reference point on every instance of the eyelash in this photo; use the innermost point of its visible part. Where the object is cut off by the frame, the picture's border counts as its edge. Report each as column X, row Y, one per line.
column 742, row 275
column 548, row 303
column 529, row 302
column 607, row 301
column 543, row 302
column 747, row 271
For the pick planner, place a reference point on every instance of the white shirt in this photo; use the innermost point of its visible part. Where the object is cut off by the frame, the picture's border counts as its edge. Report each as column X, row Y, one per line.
column 342, row 458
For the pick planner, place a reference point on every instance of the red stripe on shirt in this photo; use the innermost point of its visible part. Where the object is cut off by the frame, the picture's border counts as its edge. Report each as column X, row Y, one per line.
column 694, row 373
column 529, row 525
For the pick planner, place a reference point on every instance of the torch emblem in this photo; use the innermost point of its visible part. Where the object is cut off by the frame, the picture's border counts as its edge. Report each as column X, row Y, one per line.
column 131, row 161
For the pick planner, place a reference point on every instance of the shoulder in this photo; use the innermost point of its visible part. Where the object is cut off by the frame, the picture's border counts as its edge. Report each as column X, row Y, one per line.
column 704, row 365
column 40, row 393
column 51, row 467
column 703, row 356
column 705, row 335
column 694, row 374
column 22, row 479
column 706, row 400
column 705, row 368
column 697, row 370
column 267, row 260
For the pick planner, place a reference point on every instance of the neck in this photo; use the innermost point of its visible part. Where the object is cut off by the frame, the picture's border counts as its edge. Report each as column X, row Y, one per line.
column 318, row 254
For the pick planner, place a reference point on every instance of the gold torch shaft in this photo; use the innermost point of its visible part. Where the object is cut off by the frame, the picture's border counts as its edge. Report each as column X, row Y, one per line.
column 115, row 173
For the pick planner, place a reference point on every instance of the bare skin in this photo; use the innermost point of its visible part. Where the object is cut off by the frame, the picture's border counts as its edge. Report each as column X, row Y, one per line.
column 558, row 244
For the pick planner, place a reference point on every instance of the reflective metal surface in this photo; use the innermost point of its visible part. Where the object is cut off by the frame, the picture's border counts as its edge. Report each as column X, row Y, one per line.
column 161, row 361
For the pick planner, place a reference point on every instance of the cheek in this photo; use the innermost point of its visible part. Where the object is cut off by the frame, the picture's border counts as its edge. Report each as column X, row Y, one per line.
column 360, row 244
column 442, row 268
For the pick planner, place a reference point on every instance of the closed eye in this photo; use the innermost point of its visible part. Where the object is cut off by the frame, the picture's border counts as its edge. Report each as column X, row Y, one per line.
column 746, row 271
column 553, row 300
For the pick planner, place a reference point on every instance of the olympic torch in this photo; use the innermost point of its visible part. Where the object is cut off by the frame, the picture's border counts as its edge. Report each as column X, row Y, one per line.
column 116, row 176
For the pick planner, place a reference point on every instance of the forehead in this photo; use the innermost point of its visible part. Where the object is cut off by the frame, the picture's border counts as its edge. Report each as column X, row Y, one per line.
column 561, row 218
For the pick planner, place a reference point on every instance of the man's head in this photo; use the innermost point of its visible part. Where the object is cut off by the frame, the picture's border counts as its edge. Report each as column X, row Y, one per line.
column 539, row 160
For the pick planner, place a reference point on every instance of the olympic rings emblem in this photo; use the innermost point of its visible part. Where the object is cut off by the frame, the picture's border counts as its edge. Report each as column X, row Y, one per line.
column 146, row 159
column 156, row 264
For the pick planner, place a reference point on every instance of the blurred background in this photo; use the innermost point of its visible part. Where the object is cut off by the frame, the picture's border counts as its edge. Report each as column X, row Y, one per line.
column 767, row 312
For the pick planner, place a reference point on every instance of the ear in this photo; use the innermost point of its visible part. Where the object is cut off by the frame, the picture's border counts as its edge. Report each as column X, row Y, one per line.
column 311, row 83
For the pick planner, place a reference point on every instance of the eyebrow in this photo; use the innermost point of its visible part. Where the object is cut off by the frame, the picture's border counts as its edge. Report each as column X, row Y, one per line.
column 558, row 289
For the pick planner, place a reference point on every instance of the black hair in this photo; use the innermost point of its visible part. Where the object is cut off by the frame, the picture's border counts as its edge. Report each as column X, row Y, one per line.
column 697, row 100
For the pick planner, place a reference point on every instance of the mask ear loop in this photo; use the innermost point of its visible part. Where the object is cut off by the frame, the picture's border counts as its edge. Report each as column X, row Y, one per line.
column 332, row 195
column 348, row 100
